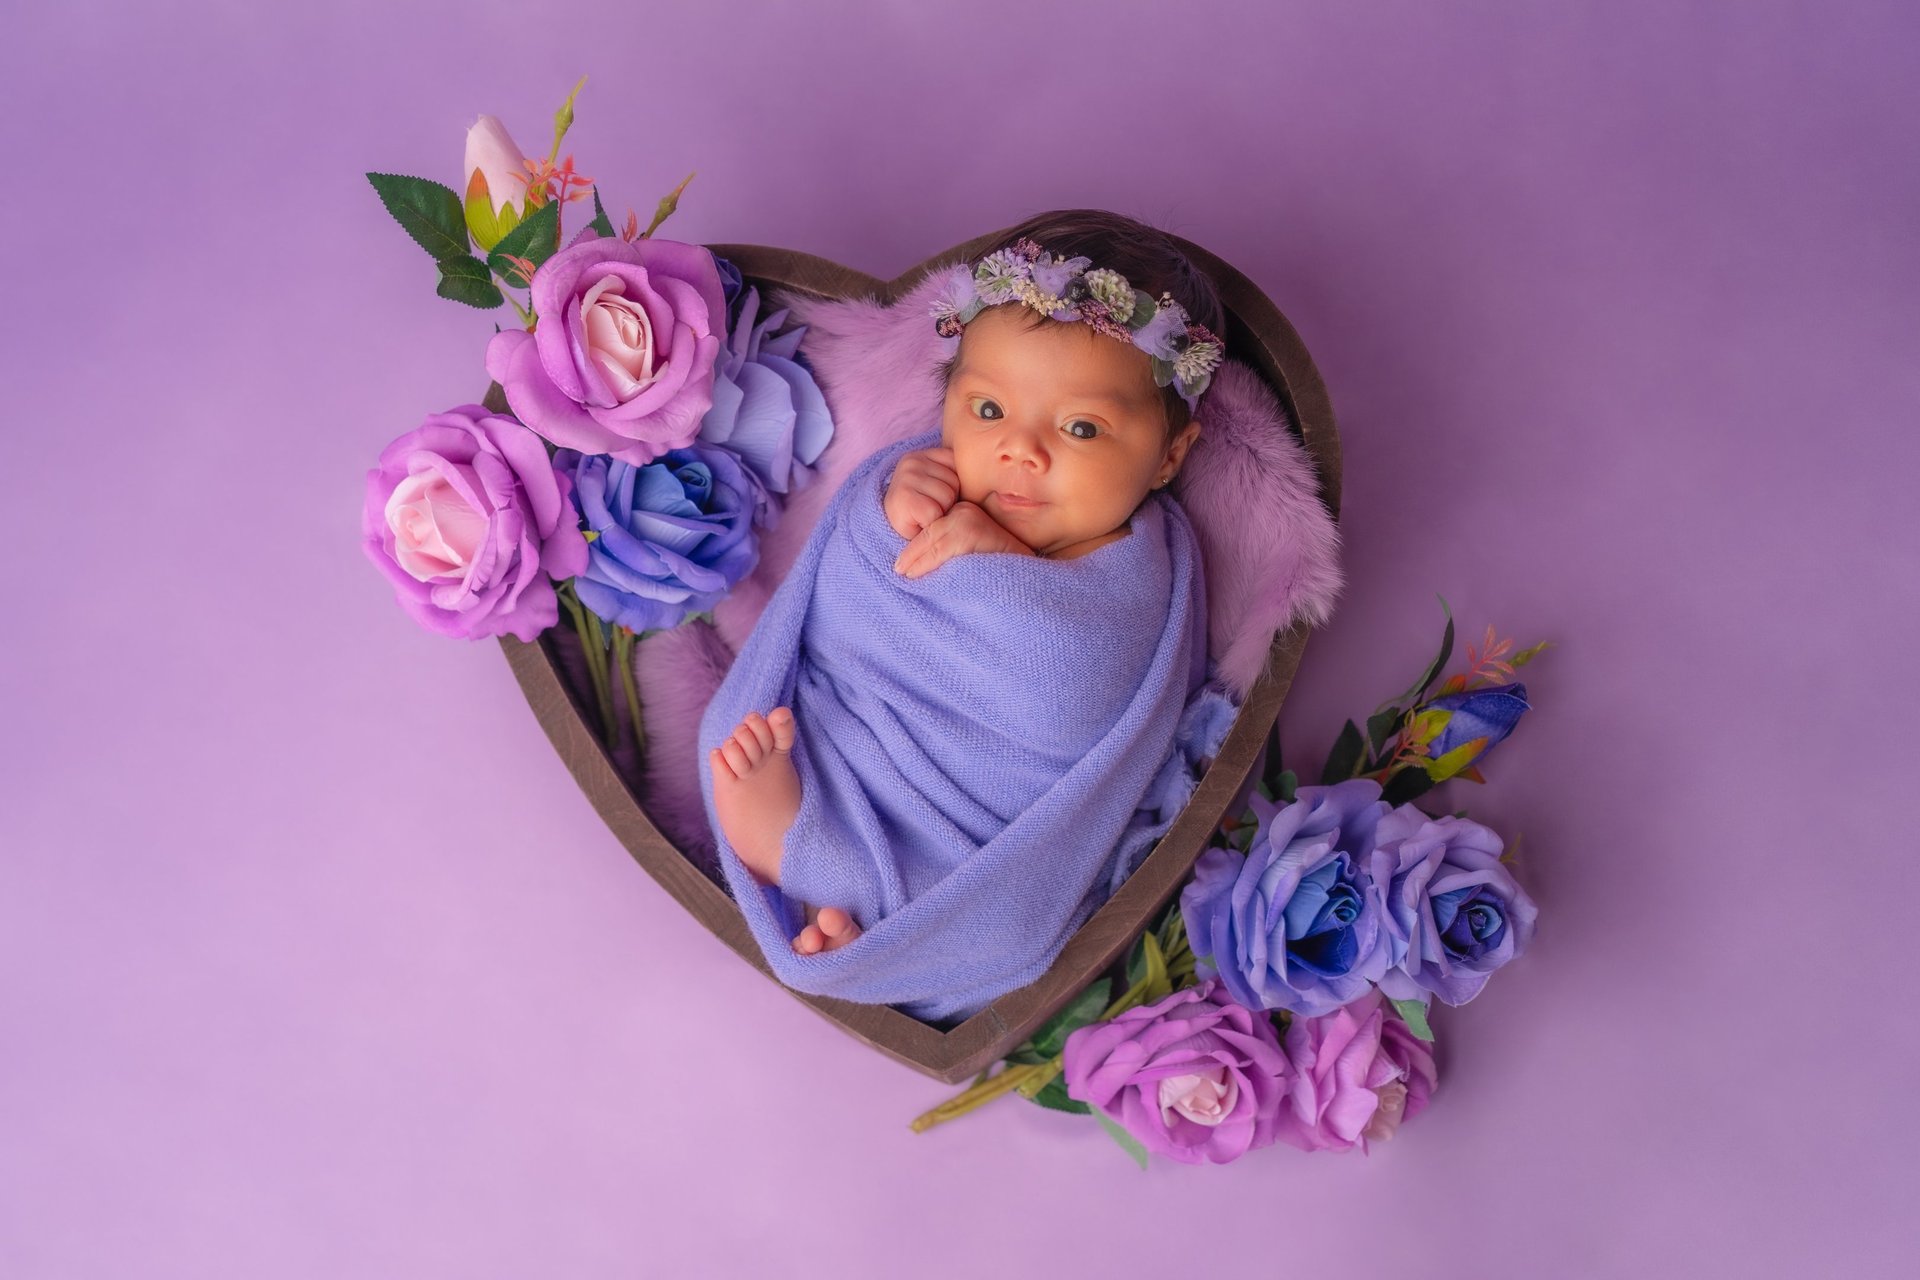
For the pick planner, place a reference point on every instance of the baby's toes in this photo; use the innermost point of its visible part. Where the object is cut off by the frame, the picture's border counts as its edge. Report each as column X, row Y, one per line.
column 749, row 745
column 810, row 940
column 837, row 926
column 756, row 724
column 734, row 758
column 781, row 724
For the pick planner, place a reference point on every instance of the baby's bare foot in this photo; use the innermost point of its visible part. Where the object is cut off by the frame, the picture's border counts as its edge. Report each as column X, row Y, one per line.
column 756, row 791
column 831, row 930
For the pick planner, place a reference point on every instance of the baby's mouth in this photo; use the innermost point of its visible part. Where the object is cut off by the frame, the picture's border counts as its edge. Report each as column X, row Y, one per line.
column 1015, row 502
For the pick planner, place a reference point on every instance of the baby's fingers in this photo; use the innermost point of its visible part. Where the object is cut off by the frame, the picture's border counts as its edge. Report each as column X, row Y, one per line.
column 920, row 555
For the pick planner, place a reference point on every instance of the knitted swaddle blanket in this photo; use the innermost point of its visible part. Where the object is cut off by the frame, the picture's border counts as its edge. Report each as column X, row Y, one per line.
column 984, row 752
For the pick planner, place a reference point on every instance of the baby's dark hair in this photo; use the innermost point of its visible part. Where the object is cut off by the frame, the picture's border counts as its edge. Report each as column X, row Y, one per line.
column 1147, row 257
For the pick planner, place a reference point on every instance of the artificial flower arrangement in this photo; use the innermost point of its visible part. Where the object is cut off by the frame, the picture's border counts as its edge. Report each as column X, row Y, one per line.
column 645, row 424
column 1283, row 996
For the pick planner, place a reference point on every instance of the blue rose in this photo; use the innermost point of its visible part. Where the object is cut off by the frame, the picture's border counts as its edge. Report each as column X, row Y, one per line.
column 1294, row 923
column 1454, row 911
column 674, row 536
column 767, row 409
column 1481, row 713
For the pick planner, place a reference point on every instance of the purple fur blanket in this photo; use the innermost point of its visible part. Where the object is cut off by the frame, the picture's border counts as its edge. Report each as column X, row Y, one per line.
column 1269, row 549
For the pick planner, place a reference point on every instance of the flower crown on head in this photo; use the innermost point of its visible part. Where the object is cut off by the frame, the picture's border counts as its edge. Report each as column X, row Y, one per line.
column 1182, row 353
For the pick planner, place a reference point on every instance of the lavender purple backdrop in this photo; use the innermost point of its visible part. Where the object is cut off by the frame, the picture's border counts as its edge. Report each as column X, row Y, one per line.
column 315, row 963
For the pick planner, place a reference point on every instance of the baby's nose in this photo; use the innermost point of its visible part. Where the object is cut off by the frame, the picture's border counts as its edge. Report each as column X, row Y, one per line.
column 1022, row 448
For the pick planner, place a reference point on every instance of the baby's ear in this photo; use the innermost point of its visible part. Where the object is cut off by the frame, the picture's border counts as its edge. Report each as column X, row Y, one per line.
column 1178, row 446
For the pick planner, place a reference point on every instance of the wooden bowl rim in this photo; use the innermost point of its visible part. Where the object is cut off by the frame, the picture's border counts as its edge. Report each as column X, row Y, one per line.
column 1258, row 334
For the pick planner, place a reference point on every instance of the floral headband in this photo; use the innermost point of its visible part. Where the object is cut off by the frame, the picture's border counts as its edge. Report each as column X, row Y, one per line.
column 1182, row 353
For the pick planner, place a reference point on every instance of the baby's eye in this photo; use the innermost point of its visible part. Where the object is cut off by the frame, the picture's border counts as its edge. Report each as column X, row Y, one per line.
column 1092, row 429
column 983, row 404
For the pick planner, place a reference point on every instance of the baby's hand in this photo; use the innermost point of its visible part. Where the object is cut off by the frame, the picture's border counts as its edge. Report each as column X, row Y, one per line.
column 924, row 487
column 965, row 529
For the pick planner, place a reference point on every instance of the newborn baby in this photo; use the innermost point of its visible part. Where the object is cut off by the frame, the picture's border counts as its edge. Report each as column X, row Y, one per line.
column 1052, row 435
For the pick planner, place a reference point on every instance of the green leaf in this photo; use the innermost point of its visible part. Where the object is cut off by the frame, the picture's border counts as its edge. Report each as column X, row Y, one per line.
column 1406, row 784
column 1054, row 1094
column 1445, row 766
column 534, row 239
column 1128, row 1143
column 1529, row 653
column 1382, row 725
column 1412, row 696
column 601, row 222
column 1144, row 309
column 427, row 211
column 1148, row 964
column 466, row 280
column 563, row 118
column 1343, row 761
column 1289, row 786
column 1173, row 928
column 1414, row 1014
column 1083, row 1009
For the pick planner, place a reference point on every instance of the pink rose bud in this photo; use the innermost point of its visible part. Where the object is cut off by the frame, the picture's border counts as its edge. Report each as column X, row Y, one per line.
column 497, row 197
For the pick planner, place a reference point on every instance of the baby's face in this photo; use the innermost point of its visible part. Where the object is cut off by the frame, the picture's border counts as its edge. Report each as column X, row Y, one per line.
column 1059, row 415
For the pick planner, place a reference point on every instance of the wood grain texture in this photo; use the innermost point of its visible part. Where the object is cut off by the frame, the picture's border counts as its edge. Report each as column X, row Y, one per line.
column 1258, row 334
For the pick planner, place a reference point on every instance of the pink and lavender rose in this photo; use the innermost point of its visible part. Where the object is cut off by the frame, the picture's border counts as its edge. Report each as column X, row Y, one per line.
column 1454, row 913
column 1294, row 923
column 1357, row 1073
column 621, row 359
column 468, row 518
column 672, row 537
column 1194, row 1076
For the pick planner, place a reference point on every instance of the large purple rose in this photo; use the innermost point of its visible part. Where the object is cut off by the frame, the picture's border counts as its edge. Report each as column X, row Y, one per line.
column 1294, row 923
column 471, row 522
column 673, row 536
column 1454, row 913
column 766, row 406
column 621, row 358
column 1193, row 1076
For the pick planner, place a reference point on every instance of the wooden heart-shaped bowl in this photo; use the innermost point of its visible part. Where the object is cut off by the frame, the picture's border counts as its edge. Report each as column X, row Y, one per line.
column 1258, row 335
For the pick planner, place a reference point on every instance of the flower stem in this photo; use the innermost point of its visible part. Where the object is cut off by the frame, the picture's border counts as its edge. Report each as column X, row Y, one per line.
column 597, row 649
column 623, row 640
column 979, row 1095
column 587, row 627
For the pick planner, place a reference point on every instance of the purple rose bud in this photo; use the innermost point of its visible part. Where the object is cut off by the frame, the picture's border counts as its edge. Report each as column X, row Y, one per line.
column 1480, row 713
column 1454, row 913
